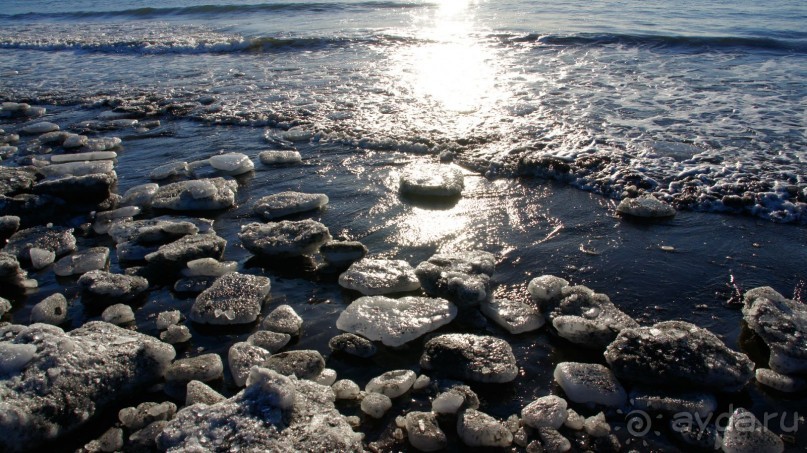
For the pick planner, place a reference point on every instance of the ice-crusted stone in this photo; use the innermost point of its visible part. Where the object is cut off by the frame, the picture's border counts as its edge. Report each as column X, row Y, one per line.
column 168, row 318
column 574, row 420
column 242, row 357
column 678, row 353
column 93, row 188
column 159, row 230
column 587, row 318
column 196, row 195
column 75, row 141
column 590, row 383
column 352, row 344
column 140, row 195
column 653, row 400
column 102, row 288
column 746, row 434
column 423, row 431
column 271, row 341
column 392, row 383
column 105, row 220
column 432, row 180
column 545, row 412
column 421, row 382
column 81, row 262
column 477, row 358
column 177, row 254
column 305, row 364
column 553, row 441
column 58, row 240
column 463, row 278
column 118, row 314
column 782, row 325
column 209, row 267
column 284, row 238
column 71, row 377
column 646, row 206
column 280, row 157
column 287, row 203
column 327, row 377
column 77, row 168
column 135, row 418
column 145, row 439
column 109, row 442
column 197, row 392
column 40, row 128
column 15, row 357
column 597, row 426
column 176, row 335
column 51, row 310
column 41, row 258
column 373, row 277
column 5, row 306
column 375, row 404
column 345, row 389
column 342, row 253
column 546, row 288
column 205, row 368
column 9, row 224
column 395, row 322
column 514, row 316
column 232, row 163
column 233, row 299
column 102, row 144
column 169, row 170
column 12, row 276
column 14, row 180
column 283, row 319
column 780, row 382
column 478, row 429
column 454, row 399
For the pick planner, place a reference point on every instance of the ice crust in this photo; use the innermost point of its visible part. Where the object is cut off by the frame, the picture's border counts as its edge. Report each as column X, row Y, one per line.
column 373, row 277
column 233, row 299
column 477, row 358
column 284, row 238
column 287, row 203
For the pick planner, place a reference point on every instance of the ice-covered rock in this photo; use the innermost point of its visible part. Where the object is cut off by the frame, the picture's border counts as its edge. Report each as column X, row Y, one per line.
column 545, row 288
column 678, row 353
column 574, row 420
column 176, row 335
column 271, row 341
column 40, row 128
column 477, row 358
column 15, row 357
column 746, row 434
column 463, row 278
column 283, row 319
column 58, row 240
column 305, row 364
column 197, row 392
column 587, row 318
column 392, row 383
column 103, row 289
column 395, row 322
column 514, row 316
column 342, row 253
column 280, row 157
column 232, row 163
column 352, row 344
column 242, row 357
column 140, row 195
column 284, row 238
column 169, row 170
column 51, row 310
column 5, row 306
column 654, row 400
column 80, row 157
column 545, row 412
column 423, row 431
column 72, row 377
column 9, row 224
column 14, row 180
column 177, row 254
column 375, row 404
column 553, row 441
column 40, row 258
column 782, row 325
column 233, row 299
column 432, row 180
column 77, row 168
column 453, row 400
column 74, row 141
column 421, row 382
column 345, row 389
column 597, row 426
column 102, row 144
column 209, row 267
column 780, row 382
column 168, row 318
column 12, row 276
column 646, row 206
column 92, row 259
column 373, row 277
column 590, row 383
column 196, row 195
column 109, row 442
column 159, row 230
column 478, row 429
column 135, row 418
column 326, row 377
column 118, row 314
column 94, row 188
column 287, row 203
column 105, row 220
column 205, row 368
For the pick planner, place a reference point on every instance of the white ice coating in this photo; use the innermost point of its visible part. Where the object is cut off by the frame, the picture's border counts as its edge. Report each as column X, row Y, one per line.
column 14, row 357
column 77, row 168
column 118, row 314
column 545, row 412
column 79, row 157
column 392, row 383
column 209, row 267
column 40, row 128
column 232, row 163
column 41, row 257
column 646, row 206
column 477, row 429
column 140, row 195
column 546, row 287
column 169, row 170
column 514, row 316
column 345, row 389
column 287, row 203
column 280, row 157
column 373, row 277
column 432, row 180
column 590, row 383
column 375, row 404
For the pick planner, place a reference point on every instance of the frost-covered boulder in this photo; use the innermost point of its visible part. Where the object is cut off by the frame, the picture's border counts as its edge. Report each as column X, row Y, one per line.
column 105, row 220
column 242, row 357
column 280, row 157
column 672, row 402
column 432, row 180
column 392, row 383
column 92, row 259
column 395, row 322
column 205, row 368
column 209, row 267
column 271, row 341
column 197, row 392
column 545, row 288
column 135, row 418
column 454, row 399
column 587, row 318
column 746, row 434
column 58, row 240
column 478, row 429
column 477, row 358
column 118, row 314
column 345, row 389
column 373, row 277
column 283, row 319
column 196, row 195
column 305, row 364
column 352, row 344
column 169, row 170
column 12, row 276
column 159, row 230
column 424, row 433
column 177, row 254
column 140, row 195
column 677, row 353
column 778, row 381
column 646, row 206
column 51, row 310
column 375, row 404
column 41, row 258
column 342, row 253
column 287, row 203
column 5, row 306
column 545, row 412
column 176, row 335
column 13, row 180
column 590, row 383
column 233, row 299
column 284, row 238
column 463, row 278
column 103, row 289
column 514, row 316
column 782, row 325
column 232, row 163
column 66, row 379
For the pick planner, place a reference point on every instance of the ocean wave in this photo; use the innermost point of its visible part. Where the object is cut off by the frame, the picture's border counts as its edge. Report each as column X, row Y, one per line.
column 696, row 43
column 216, row 10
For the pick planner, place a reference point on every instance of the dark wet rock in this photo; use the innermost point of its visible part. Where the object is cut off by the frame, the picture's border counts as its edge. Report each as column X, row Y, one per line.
column 352, row 344
column 51, row 310
column 196, row 195
column 68, row 378
column 274, row 413
column 463, row 278
column 779, row 381
column 58, row 240
column 271, row 341
column 145, row 440
column 373, row 277
column 15, row 180
column 423, row 431
column 285, row 238
column 283, row 319
column 782, row 325
column 287, row 203
column 32, row 209
column 590, row 383
column 232, row 299
column 478, row 429
column 342, row 253
column 200, row 393
column 85, row 189
column 101, row 288
column 5, row 306
column 135, row 418
column 306, row 364
column 205, row 368
column 241, row 357
column 746, row 434
column 92, row 259
column 471, row 357
column 676, row 353
column 9, row 225
column 587, row 318
column 110, row 441
column 174, row 256
column 193, row 285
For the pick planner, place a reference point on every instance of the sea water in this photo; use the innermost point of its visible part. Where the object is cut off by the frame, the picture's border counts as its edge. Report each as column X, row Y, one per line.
column 701, row 103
